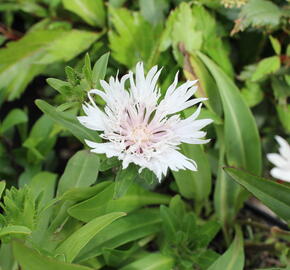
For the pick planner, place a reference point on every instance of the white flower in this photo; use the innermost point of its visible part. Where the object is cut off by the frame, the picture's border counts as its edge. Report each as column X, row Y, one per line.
column 140, row 129
column 281, row 161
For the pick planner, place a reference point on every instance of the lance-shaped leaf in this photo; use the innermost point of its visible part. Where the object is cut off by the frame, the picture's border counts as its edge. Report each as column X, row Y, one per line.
column 275, row 196
column 74, row 243
column 240, row 128
column 233, row 258
column 30, row 259
column 67, row 121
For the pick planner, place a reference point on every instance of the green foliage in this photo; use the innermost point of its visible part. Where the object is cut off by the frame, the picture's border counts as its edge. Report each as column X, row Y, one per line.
column 34, row 52
column 64, row 207
column 274, row 195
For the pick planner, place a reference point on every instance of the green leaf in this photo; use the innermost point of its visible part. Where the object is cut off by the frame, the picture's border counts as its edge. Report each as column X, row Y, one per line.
column 265, row 67
column 2, row 187
column 274, row 195
column 81, row 171
column 153, row 10
column 252, row 93
column 194, row 185
column 240, row 127
column 184, row 29
column 136, row 225
column 62, row 87
column 91, row 11
column 283, row 113
column 259, row 13
column 276, row 45
column 154, row 261
column 74, row 243
column 11, row 229
column 196, row 70
column 103, row 202
column 22, row 60
column 100, row 69
column 233, row 258
column 30, row 259
column 67, row 121
column 124, row 180
column 14, row 117
column 134, row 39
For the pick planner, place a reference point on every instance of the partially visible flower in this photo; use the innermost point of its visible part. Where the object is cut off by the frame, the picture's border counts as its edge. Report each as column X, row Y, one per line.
column 281, row 161
column 233, row 3
column 140, row 128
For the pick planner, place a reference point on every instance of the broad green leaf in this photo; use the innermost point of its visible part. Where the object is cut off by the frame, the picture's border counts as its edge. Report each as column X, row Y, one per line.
column 214, row 43
column 274, row 195
column 258, row 13
column 265, row 67
column 184, row 30
column 103, row 202
column 136, row 225
column 252, row 93
column 154, row 261
column 153, row 10
column 240, row 128
column 74, row 243
column 67, row 121
column 14, row 117
column 81, row 171
column 99, row 70
column 12, row 229
column 91, row 11
column 233, row 258
column 194, row 185
column 41, row 139
column 134, row 39
column 30, row 259
column 124, row 180
column 7, row 259
column 22, row 60
column 2, row 187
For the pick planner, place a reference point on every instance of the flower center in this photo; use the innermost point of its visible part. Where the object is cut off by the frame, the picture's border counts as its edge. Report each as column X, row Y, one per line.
column 140, row 135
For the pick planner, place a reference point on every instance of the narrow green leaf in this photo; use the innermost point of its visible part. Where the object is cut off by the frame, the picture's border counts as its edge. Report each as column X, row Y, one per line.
column 2, row 187
column 154, row 261
column 30, row 259
column 14, row 117
column 73, row 245
column 100, row 69
column 275, row 196
column 62, row 87
column 276, row 45
column 233, row 258
column 11, row 229
column 103, row 202
column 81, row 171
column 136, row 225
column 67, row 121
column 240, row 127
column 124, row 180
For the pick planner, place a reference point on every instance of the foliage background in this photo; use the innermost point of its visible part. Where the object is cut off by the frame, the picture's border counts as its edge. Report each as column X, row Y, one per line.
column 64, row 208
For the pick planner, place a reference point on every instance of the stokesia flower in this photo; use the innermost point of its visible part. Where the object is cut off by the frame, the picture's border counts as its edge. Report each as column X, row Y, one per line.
column 281, row 161
column 139, row 127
